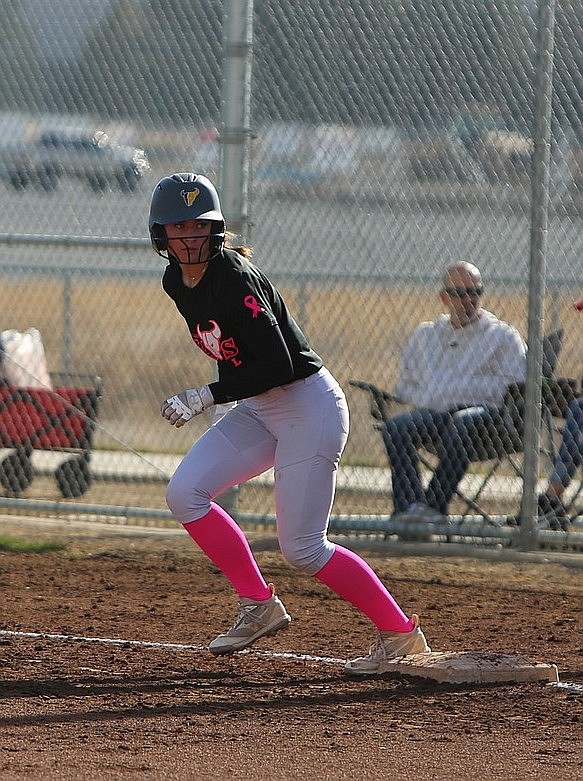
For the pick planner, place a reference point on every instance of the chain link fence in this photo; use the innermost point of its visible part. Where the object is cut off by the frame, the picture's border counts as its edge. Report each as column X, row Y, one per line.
column 389, row 139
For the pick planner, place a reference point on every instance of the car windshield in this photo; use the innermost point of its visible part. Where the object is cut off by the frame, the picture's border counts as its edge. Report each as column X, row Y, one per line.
column 55, row 141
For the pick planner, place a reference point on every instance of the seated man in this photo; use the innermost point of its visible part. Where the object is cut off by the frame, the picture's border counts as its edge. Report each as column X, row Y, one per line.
column 454, row 373
column 551, row 510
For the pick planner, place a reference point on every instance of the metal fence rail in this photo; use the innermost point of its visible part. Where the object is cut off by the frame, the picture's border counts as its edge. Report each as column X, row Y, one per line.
column 389, row 141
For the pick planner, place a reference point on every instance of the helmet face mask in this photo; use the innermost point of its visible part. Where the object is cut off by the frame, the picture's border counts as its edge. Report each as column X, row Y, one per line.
column 182, row 197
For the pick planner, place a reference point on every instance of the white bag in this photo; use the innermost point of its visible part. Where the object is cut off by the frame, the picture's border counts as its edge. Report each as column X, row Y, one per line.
column 25, row 363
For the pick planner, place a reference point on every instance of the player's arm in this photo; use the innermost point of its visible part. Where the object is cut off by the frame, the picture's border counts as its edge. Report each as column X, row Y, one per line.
column 274, row 367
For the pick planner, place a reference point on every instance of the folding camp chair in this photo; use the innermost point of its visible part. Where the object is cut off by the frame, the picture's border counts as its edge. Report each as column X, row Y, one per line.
column 504, row 449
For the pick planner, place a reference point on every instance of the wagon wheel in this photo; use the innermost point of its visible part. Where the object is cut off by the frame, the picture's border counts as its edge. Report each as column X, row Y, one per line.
column 16, row 472
column 73, row 477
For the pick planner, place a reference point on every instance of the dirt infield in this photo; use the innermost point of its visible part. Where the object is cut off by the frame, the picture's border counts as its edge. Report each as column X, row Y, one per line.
column 76, row 709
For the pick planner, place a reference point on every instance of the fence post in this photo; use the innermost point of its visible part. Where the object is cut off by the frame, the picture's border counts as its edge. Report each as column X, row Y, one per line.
column 235, row 136
column 536, row 288
column 67, row 323
column 235, row 133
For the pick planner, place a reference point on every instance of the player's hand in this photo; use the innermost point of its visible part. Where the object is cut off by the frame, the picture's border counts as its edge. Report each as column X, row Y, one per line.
column 184, row 406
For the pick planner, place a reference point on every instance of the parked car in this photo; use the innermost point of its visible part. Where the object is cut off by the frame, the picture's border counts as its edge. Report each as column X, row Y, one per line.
column 501, row 156
column 58, row 154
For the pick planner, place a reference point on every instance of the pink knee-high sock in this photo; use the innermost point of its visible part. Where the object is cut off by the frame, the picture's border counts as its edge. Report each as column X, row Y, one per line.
column 219, row 537
column 351, row 578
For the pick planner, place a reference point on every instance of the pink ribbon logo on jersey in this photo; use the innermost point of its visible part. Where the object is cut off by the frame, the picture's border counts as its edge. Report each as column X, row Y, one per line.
column 251, row 303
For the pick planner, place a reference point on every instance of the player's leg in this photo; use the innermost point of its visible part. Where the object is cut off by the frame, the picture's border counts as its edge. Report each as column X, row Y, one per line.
column 307, row 457
column 230, row 452
column 570, row 455
column 304, row 493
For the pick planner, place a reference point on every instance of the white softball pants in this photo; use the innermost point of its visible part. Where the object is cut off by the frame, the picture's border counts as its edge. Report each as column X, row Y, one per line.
column 300, row 429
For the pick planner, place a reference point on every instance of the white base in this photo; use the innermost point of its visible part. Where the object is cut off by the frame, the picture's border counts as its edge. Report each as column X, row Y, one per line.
column 473, row 667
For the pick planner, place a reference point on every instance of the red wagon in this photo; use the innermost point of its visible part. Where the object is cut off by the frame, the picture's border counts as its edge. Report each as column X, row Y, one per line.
column 62, row 419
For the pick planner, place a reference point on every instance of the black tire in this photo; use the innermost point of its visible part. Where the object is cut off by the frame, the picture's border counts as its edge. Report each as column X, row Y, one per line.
column 73, row 477
column 18, row 180
column 127, row 181
column 97, row 183
column 47, row 181
column 16, row 472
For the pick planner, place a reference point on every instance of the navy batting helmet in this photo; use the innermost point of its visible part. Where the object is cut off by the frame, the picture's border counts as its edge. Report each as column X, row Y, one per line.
column 182, row 197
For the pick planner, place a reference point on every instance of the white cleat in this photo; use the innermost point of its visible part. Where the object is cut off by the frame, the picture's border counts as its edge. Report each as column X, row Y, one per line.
column 387, row 647
column 254, row 620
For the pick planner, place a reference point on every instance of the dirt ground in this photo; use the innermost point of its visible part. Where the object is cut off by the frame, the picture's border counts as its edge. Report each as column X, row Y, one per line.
column 72, row 708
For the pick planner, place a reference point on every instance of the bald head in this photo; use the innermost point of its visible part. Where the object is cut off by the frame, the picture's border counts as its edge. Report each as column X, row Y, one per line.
column 462, row 274
column 461, row 293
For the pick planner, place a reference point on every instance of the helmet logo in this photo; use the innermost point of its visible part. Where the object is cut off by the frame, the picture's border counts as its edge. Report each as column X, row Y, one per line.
column 190, row 196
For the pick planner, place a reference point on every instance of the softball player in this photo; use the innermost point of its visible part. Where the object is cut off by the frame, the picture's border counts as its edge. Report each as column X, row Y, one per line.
column 290, row 414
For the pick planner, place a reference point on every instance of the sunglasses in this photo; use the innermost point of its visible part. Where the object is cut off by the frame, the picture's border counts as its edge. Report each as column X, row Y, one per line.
column 460, row 292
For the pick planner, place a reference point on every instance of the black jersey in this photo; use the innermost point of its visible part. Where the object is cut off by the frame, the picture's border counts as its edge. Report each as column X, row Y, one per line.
column 237, row 316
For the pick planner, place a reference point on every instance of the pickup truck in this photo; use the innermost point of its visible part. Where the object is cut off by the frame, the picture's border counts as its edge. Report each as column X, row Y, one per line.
column 91, row 158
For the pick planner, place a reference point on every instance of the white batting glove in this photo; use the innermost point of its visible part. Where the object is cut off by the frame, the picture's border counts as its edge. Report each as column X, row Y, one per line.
column 186, row 405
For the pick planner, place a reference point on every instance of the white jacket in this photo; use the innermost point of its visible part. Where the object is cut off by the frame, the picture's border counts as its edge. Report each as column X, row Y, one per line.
column 443, row 367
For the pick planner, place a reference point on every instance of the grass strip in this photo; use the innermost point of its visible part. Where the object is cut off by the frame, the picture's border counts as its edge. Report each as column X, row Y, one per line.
column 14, row 545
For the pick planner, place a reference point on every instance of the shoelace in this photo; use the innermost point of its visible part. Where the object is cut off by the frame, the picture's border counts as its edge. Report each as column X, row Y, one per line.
column 246, row 616
column 377, row 649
